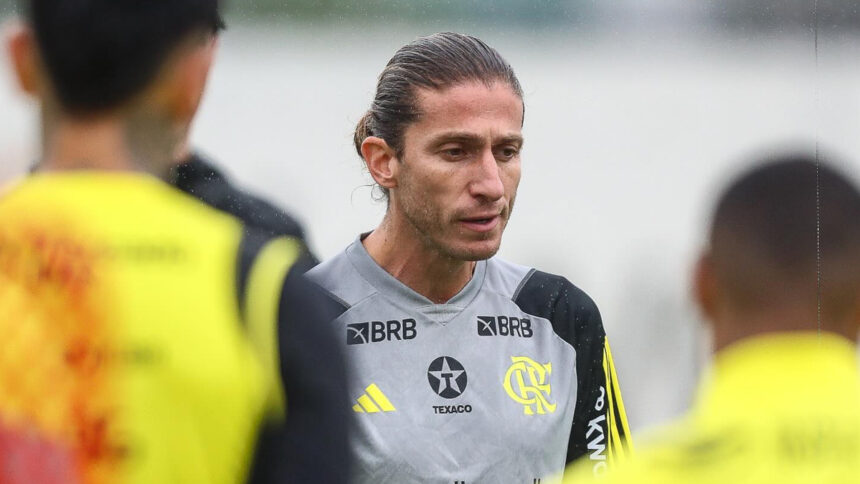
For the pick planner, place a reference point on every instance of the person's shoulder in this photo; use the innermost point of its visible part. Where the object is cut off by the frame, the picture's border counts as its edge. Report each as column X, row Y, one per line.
column 325, row 274
column 341, row 281
column 274, row 268
column 528, row 284
column 145, row 199
column 203, row 180
column 8, row 188
column 669, row 454
column 639, row 471
column 571, row 310
column 506, row 278
column 15, row 194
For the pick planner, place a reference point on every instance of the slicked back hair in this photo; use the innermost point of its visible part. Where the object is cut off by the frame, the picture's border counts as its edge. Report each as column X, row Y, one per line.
column 101, row 53
column 436, row 62
column 783, row 227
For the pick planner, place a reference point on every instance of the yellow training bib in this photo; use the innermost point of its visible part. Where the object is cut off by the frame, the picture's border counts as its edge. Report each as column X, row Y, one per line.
column 124, row 359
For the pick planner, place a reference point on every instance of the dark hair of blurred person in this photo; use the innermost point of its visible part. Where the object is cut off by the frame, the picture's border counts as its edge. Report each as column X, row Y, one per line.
column 784, row 253
column 143, row 64
column 99, row 54
column 779, row 285
column 147, row 337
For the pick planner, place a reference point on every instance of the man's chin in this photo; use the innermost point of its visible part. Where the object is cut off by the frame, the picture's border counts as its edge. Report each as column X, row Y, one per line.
column 475, row 251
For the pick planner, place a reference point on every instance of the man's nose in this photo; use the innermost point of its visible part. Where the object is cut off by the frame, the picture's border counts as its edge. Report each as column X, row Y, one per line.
column 487, row 181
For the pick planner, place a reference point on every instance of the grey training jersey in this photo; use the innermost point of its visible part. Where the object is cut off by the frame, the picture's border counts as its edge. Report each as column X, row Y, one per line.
column 505, row 383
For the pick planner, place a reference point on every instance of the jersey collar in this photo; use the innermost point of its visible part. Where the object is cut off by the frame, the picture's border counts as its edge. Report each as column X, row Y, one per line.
column 403, row 295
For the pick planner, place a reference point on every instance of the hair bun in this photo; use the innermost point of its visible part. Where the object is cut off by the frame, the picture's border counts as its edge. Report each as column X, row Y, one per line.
column 363, row 130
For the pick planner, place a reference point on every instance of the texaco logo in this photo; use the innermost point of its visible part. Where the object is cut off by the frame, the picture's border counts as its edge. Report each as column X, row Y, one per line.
column 447, row 377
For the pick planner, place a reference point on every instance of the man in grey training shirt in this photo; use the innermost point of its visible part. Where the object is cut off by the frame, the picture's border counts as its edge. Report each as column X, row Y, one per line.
column 464, row 368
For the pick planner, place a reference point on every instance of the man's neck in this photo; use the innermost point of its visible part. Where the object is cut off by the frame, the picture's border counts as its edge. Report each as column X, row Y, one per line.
column 402, row 253
column 735, row 325
column 138, row 139
column 97, row 144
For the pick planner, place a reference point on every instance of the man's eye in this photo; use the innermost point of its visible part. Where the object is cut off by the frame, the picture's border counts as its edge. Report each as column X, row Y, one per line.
column 454, row 152
column 507, row 153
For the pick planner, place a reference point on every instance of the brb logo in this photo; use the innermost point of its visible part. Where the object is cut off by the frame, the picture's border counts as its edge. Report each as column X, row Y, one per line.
column 504, row 326
column 376, row 331
column 527, row 383
column 447, row 377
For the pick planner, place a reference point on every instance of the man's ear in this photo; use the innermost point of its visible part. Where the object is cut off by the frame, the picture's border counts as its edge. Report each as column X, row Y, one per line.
column 23, row 53
column 187, row 81
column 705, row 286
column 381, row 161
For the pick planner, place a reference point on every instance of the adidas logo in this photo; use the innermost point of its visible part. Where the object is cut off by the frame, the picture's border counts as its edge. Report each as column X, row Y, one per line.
column 373, row 401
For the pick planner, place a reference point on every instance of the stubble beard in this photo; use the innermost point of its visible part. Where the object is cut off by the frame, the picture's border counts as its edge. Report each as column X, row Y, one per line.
column 436, row 233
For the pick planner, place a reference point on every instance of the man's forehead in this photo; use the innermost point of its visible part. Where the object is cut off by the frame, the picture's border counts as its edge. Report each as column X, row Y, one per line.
column 471, row 102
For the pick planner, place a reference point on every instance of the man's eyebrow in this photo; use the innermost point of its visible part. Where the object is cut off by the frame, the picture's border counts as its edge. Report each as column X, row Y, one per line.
column 455, row 136
column 472, row 138
column 514, row 138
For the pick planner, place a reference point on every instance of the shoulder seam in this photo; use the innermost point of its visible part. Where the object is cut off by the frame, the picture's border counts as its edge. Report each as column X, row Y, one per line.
column 522, row 284
column 346, row 306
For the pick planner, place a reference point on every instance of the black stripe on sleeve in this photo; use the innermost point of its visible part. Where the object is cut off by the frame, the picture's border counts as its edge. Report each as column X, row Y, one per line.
column 576, row 319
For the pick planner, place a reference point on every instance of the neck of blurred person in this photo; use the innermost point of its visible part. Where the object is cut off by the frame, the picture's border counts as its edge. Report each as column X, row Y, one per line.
column 139, row 138
column 731, row 325
column 792, row 308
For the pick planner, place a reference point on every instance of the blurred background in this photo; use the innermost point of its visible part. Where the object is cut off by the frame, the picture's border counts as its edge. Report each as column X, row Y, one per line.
column 638, row 112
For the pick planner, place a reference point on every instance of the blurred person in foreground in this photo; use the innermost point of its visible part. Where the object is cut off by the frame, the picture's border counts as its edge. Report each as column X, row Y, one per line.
column 781, row 403
column 465, row 367
column 145, row 336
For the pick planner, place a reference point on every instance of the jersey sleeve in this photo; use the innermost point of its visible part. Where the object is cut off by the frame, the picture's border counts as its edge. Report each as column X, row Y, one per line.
column 305, row 440
column 599, row 430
